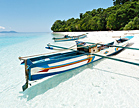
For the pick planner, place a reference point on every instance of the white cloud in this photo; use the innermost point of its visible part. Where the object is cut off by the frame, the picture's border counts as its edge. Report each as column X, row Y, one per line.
column 2, row 27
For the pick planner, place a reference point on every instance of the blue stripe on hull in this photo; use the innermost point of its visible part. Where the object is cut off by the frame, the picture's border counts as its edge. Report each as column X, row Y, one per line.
column 53, row 56
column 115, row 52
column 55, row 59
column 40, row 76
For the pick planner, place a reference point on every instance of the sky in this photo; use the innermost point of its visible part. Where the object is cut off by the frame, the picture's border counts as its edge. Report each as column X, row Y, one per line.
column 39, row 15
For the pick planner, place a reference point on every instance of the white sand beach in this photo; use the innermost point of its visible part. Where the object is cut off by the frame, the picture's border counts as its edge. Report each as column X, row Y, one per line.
column 108, row 36
column 103, row 84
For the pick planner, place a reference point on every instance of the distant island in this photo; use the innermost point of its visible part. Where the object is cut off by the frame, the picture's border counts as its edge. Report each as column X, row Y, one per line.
column 8, row 32
column 124, row 15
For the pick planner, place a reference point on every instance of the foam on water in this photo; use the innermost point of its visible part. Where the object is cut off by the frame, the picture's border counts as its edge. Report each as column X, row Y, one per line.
column 103, row 84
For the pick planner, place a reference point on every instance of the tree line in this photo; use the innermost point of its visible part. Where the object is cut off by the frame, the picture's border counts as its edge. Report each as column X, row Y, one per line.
column 118, row 2
column 124, row 15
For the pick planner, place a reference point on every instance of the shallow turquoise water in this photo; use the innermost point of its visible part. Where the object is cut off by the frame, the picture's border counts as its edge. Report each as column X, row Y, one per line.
column 7, row 39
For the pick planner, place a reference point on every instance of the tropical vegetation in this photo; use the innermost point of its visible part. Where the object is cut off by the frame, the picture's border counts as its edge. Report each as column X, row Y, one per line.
column 124, row 15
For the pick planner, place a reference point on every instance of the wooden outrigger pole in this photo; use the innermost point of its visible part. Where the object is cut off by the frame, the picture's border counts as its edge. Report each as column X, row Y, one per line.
column 112, row 58
column 25, row 86
column 26, row 75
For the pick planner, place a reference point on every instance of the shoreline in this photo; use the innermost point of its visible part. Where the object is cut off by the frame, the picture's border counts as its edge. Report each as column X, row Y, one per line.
column 79, row 32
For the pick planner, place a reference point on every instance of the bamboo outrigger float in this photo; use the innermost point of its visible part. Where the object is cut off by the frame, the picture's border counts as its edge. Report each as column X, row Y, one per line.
column 41, row 66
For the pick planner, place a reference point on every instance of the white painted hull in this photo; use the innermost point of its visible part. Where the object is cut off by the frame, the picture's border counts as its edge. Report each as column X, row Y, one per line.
column 62, row 66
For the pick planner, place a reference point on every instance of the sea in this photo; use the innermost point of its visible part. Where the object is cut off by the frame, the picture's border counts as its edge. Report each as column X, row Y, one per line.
column 103, row 84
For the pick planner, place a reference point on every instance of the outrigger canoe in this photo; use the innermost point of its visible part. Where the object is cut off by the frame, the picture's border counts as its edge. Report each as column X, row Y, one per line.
column 69, row 38
column 41, row 66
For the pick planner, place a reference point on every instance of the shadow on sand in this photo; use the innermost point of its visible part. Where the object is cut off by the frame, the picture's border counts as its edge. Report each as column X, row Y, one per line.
column 53, row 81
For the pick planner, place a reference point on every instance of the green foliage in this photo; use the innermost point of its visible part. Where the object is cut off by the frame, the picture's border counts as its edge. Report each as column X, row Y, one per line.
column 112, row 22
column 119, row 2
column 132, row 25
column 124, row 15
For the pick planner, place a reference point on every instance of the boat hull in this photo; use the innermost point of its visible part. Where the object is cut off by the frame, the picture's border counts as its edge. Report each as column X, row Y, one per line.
column 69, row 38
column 60, row 64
